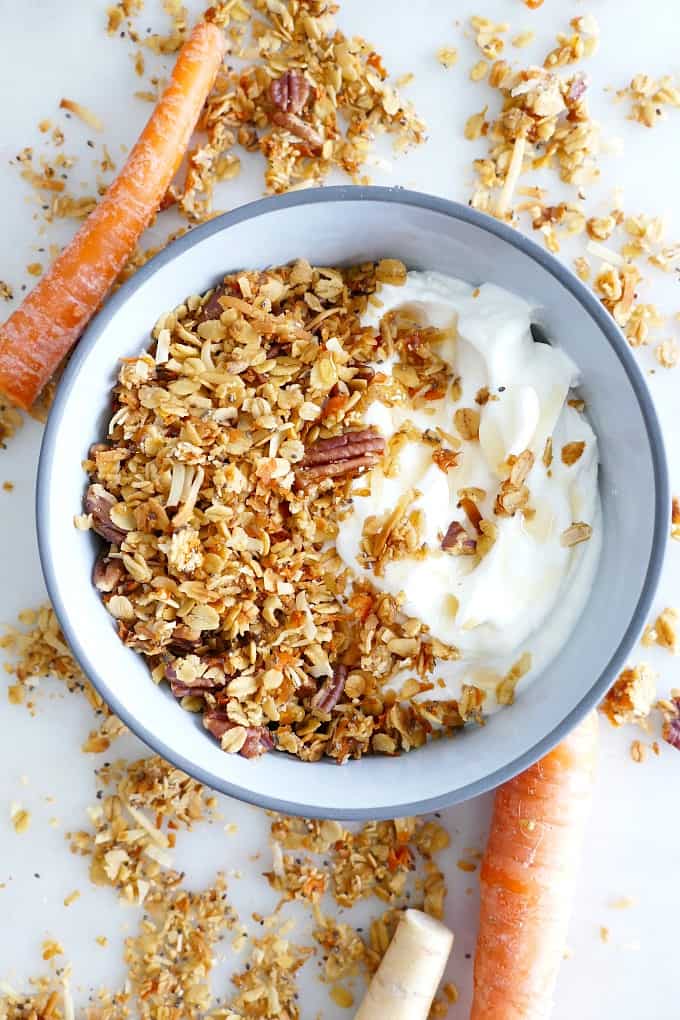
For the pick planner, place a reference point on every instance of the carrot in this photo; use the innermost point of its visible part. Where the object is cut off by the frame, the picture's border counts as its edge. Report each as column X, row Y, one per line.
column 51, row 318
column 527, row 880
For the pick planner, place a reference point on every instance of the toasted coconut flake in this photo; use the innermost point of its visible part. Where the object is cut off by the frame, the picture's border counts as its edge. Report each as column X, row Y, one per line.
column 87, row 116
column 577, row 532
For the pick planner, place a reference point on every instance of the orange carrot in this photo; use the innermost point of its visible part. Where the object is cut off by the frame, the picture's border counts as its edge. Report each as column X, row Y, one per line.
column 51, row 318
column 527, row 880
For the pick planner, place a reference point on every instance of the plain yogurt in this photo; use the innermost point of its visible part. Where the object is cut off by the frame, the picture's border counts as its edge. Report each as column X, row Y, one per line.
column 527, row 592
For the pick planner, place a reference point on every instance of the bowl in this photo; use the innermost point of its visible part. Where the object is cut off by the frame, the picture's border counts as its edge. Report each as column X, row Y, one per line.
column 344, row 225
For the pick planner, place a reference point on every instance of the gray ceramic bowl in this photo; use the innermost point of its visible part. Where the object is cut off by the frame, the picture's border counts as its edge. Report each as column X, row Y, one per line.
column 345, row 225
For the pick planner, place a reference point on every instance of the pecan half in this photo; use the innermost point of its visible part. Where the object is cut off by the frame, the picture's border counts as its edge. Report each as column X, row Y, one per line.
column 107, row 574
column 330, row 692
column 457, row 541
column 300, row 128
column 346, row 454
column 472, row 512
column 362, row 371
column 671, row 727
column 180, row 690
column 258, row 738
column 258, row 741
column 99, row 502
column 290, row 92
column 184, row 640
column 212, row 309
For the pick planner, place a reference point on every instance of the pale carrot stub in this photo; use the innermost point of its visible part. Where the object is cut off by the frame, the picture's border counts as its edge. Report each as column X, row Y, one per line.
column 527, row 880
column 51, row 318
column 406, row 981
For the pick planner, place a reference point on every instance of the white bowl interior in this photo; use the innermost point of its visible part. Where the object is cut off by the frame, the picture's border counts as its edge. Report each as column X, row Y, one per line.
column 333, row 233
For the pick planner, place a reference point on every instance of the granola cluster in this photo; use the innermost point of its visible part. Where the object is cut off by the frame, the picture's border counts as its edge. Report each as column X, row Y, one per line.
column 544, row 121
column 649, row 97
column 545, row 124
column 632, row 697
column 312, row 102
column 231, row 456
column 38, row 649
column 135, row 826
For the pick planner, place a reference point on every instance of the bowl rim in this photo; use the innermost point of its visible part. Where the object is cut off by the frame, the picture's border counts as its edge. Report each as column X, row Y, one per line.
column 571, row 283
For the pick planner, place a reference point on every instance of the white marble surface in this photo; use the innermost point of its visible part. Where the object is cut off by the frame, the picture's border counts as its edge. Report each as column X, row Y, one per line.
column 52, row 48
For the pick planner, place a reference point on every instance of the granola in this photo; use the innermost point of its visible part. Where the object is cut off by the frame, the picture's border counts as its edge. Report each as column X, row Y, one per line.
column 246, row 419
column 233, row 466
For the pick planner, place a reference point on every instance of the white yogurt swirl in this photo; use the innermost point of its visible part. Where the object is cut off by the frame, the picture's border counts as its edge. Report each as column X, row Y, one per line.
column 526, row 594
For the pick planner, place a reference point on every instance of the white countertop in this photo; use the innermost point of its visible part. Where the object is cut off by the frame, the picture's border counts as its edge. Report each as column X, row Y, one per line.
column 54, row 48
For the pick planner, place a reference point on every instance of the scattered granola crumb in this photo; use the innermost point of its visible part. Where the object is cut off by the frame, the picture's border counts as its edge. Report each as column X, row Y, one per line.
column 477, row 72
column 341, row 996
column 637, row 751
column 631, row 698
column 51, row 948
column 622, row 903
column 71, row 898
column 34, row 268
column 11, row 420
column 269, row 978
column 21, row 819
column 667, row 353
column 604, row 934
column 447, row 56
column 664, row 631
column 464, row 865
column 582, row 267
column 101, row 940
column 649, row 98
column 99, row 740
column 8, row 486
column 6, row 293
column 523, row 39
column 450, row 990
column 488, row 36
